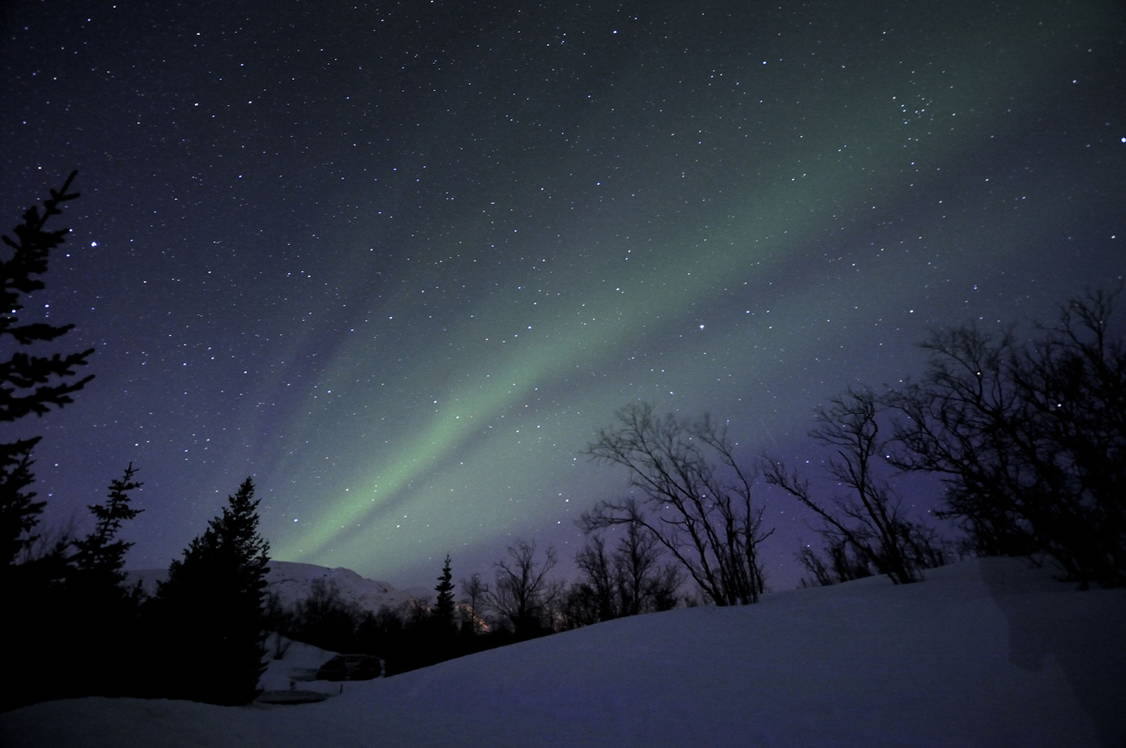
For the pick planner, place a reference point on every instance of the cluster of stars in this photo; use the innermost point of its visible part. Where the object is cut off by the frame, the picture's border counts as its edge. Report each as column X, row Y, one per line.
column 401, row 266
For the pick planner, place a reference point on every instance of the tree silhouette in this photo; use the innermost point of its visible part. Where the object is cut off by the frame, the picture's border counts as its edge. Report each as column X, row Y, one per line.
column 840, row 563
column 595, row 596
column 644, row 584
column 629, row 581
column 326, row 618
column 1029, row 437
column 696, row 499
column 521, row 591
column 443, row 613
column 33, row 568
column 870, row 518
column 102, row 653
column 100, row 556
column 211, row 608
column 476, row 592
column 30, row 382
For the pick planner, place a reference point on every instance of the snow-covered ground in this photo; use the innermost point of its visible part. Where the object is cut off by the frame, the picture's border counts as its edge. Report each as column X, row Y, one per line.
column 299, row 663
column 984, row 653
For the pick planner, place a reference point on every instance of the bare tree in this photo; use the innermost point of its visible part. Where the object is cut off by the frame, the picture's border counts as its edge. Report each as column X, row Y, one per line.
column 696, row 499
column 476, row 592
column 644, row 584
column 870, row 519
column 325, row 617
column 960, row 423
column 521, row 590
column 599, row 576
column 1030, row 437
column 628, row 581
column 554, row 615
column 578, row 607
column 840, row 563
column 277, row 620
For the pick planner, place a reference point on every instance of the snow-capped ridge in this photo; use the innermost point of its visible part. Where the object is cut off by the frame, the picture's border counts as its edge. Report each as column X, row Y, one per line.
column 292, row 582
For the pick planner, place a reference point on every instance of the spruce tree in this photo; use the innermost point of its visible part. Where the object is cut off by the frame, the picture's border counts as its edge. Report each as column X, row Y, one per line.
column 212, row 605
column 19, row 511
column 32, row 572
column 29, row 383
column 100, row 556
column 443, row 614
column 103, row 649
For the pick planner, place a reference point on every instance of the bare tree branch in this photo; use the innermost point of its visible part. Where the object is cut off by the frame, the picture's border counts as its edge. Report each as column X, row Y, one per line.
column 696, row 499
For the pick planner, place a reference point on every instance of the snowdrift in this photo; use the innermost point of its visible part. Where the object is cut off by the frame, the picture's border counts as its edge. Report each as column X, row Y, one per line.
column 984, row 653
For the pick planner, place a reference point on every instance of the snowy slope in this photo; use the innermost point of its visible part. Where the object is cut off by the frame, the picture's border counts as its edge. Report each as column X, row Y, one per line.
column 984, row 653
column 294, row 581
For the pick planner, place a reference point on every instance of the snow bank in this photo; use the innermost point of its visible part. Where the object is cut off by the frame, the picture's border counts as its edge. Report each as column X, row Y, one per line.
column 984, row 653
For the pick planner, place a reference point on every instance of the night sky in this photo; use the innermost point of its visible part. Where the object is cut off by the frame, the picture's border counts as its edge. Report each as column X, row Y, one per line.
column 400, row 261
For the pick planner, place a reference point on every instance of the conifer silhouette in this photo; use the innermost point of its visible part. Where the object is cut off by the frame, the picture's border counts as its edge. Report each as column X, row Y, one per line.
column 29, row 382
column 213, row 606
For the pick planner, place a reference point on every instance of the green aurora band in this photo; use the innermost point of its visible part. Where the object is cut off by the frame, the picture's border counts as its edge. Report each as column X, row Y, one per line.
column 517, row 389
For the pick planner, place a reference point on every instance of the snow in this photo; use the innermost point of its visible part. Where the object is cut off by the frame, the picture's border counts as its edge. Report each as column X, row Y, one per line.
column 293, row 581
column 983, row 653
column 300, row 660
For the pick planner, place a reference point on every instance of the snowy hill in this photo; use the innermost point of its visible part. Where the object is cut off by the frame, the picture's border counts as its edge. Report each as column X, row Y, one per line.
column 294, row 581
column 983, row 653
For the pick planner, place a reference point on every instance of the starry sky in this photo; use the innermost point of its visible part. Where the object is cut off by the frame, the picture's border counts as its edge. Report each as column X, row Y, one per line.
column 400, row 261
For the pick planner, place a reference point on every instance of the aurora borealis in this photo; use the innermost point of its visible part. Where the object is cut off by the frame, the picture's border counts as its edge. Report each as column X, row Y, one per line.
column 401, row 261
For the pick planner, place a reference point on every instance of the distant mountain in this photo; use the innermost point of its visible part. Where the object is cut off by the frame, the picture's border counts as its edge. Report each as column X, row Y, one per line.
column 292, row 582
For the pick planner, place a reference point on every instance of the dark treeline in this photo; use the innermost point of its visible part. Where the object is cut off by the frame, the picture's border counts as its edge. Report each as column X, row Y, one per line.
column 520, row 603
column 1028, row 437
column 77, row 627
